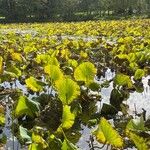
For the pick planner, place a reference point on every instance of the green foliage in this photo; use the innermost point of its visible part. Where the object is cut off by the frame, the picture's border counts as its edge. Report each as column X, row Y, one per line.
column 136, row 125
column 47, row 60
column 38, row 142
column 123, row 80
column 13, row 71
column 24, row 134
column 85, row 72
column 139, row 74
column 34, row 146
column 2, row 116
column 34, row 84
column 2, row 119
column 54, row 72
column 107, row 135
column 68, row 90
column 1, row 64
column 68, row 145
column 25, row 106
column 138, row 141
column 67, row 118
column 94, row 86
column 17, row 57
column 50, row 58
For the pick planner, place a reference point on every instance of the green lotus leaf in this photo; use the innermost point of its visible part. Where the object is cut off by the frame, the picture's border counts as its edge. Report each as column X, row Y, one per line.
column 107, row 135
column 67, row 117
column 94, row 86
column 34, row 146
column 67, row 145
column 1, row 65
column 13, row 71
column 123, row 80
column 30, row 48
column 25, row 106
column 139, row 74
column 72, row 62
column 139, row 142
column 136, row 125
column 47, row 60
column 68, row 90
column 54, row 72
column 85, row 72
column 39, row 141
column 2, row 119
column 16, row 57
column 34, row 84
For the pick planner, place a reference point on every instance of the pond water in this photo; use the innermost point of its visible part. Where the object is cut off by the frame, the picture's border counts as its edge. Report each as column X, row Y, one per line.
column 141, row 100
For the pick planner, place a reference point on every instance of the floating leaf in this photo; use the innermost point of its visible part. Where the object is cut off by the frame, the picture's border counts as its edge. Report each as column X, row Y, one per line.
column 54, row 72
column 68, row 90
column 107, row 135
column 34, row 84
column 25, row 106
column 123, row 80
column 85, row 72
column 67, row 118
column 139, row 74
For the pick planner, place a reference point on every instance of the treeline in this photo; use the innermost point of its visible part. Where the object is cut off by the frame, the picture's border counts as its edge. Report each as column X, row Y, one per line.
column 70, row 10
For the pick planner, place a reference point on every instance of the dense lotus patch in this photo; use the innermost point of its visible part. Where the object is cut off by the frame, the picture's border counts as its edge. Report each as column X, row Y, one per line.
column 55, row 77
